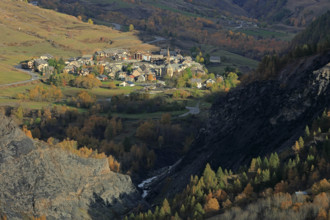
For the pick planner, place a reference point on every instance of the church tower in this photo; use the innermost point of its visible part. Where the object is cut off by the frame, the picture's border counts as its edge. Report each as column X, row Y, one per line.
column 169, row 70
column 168, row 59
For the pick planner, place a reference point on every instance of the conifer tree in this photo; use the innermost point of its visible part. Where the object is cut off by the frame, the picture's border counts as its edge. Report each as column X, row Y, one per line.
column 209, row 176
column 166, row 207
column 220, row 174
column 296, row 147
column 198, row 211
column 265, row 163
column 176, row 217
column 274, row 161
column 245, row 178
column 253, row 165
column 182, row 210
column 259, row 162
column 307, row 132
column 265, row 176
column 301, row 143
column 162, row 213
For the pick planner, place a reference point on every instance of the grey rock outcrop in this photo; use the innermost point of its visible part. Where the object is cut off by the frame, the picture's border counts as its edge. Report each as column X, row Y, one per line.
column 39, row 180
column 257, row 119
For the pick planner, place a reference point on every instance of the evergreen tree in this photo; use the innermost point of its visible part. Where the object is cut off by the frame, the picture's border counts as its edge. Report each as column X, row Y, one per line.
column 245, row 178
column 265, row 175
column 209, row 176
column 166, row 207
column 198, row 211
column 182, row 210
column 176, row 217
column 259, row 162
column 265, row 163
column 131, row 216
column 162, row 213
column 220, row 174
column 301, row 143
column 307, row 132
column 274, row 161
column 253, row 165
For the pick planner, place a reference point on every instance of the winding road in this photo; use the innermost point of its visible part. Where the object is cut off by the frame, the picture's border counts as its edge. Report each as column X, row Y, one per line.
column 116, row 26
column 34, row 77
column 192, row 111
column 157, row 39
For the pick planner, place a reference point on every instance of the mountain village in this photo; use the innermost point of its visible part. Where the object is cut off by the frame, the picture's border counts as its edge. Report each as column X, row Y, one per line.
column 130, row 67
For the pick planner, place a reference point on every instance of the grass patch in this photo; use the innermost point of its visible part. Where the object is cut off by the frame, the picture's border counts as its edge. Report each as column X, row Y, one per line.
column 100, row 93
column 228, row 59
column 10, row 75
column 154, row 115
column 11, row 92
column 264, row 33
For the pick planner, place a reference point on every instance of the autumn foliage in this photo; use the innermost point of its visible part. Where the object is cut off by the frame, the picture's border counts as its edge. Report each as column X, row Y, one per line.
column 42, row 93
column 87, row 82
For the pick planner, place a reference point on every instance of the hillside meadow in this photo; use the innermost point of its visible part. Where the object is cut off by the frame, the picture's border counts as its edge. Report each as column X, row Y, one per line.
column 28, row 31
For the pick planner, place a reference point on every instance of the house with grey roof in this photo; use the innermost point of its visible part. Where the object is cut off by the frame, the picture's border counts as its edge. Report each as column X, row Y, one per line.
column 215, row 59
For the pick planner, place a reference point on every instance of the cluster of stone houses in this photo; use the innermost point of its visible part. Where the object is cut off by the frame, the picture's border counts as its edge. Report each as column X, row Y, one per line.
column 39, row 64
column 144, row 66
column 199, row 83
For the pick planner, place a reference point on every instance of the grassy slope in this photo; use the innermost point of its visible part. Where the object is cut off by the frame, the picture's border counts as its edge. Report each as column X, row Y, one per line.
column 308, row 9
column 28, row 31
column 232, row 60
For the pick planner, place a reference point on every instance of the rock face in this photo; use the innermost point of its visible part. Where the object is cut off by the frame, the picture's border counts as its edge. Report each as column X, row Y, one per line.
column 36, row 179
column 259, row 118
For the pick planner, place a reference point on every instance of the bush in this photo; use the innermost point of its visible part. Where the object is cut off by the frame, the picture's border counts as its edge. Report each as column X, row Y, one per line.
column 87, row 82
column 83, row 99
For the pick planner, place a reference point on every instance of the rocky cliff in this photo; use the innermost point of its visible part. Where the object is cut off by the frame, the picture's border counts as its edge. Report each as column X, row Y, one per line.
column 39, row 180
column 256, row 119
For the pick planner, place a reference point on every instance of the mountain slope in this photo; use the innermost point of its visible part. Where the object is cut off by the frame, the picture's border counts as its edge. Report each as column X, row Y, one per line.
column 39, row 180
column 261, row 117
column 28, row 31
column 292, row 12
column 257, row 119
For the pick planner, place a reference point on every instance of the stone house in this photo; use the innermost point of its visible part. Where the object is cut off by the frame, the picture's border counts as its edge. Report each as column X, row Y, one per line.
column 102, row 77
column 40, row 64
column 70, row 69
column 130, row 78
column 196, row 82
column 84, row 72
column 136, row 73
column 141, row 78
column 46, row 57
column 215, row 59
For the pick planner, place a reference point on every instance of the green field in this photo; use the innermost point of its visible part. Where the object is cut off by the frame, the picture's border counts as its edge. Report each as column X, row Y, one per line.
column 7, row 95
column 264, row 33
column 154, row 115
column 228, row 59
column 10, row 75
column 100, row 93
